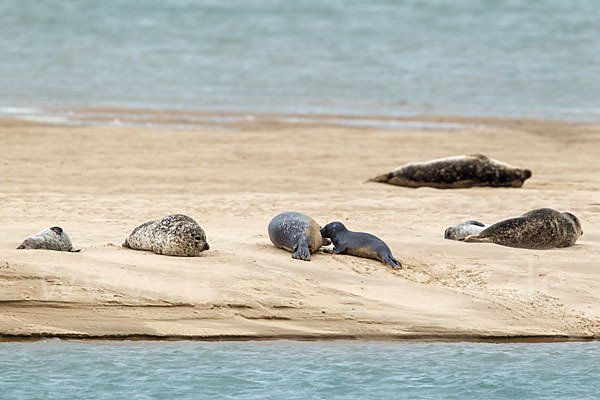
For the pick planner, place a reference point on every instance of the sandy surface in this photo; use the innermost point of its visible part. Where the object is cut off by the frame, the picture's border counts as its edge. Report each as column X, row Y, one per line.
column 98, row 183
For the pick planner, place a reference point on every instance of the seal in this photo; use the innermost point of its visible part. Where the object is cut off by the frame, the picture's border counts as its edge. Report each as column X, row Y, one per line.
column 173, row 235
column 543, row 228
column 455, row 173
column 49, row 239
column 296, row 232
column 464, row 229
column 358, row 244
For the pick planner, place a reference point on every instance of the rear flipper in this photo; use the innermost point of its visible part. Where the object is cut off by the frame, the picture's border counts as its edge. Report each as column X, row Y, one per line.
column 475, row 239
column 75, row 250
column 392, row 262
column 301, row 252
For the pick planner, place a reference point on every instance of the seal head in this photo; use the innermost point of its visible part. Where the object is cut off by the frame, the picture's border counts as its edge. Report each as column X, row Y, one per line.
column 173, row 235
column 358, row 244
column 54, row 238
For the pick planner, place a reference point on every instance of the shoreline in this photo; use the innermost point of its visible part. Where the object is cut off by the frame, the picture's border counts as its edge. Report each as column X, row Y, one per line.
column 99, row 182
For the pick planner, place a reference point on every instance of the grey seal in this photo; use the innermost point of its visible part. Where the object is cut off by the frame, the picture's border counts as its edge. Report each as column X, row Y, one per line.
column 358, row 244
column 543, row 228
column 296, row 232
column 464, row 229
column 455, row 173
column 54, row 238
column 173, row 235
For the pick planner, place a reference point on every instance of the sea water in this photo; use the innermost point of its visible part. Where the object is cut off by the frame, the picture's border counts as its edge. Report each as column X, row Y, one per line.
column 298, row 370
column 467, row 57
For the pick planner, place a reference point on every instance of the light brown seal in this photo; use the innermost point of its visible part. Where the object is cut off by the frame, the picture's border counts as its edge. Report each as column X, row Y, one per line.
column 173, row 235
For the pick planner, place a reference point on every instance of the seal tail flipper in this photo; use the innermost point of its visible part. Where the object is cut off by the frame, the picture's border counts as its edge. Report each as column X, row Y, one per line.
column 301, row 252
column 22, row 246
column 381, row 178
column 75, row 250
column 475, row 239
column 392, row 262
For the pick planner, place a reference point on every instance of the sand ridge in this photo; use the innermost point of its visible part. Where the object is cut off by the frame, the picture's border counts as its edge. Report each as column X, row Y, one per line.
column 98, row 183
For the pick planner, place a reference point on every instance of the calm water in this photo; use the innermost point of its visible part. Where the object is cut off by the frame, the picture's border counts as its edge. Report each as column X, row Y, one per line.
column 500, row 57
column 298, row 370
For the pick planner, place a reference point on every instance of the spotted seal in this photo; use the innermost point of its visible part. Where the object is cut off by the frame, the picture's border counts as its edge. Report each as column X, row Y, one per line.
column 296, row 232
column 358, row 244
column 455, row 173
column 173, row 235
column 543, row 228
column 49, row 239
column 464, row 229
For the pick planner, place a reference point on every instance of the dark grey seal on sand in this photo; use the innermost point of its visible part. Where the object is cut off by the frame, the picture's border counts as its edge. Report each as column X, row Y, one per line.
column 296, row 232
column 464, row 229
column 49, row 239
column 173, row 235
column 543, row 228
column 358, row 244
column 455, row 173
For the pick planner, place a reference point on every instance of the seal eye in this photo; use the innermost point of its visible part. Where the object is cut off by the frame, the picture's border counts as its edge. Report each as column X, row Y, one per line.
column 198, row 238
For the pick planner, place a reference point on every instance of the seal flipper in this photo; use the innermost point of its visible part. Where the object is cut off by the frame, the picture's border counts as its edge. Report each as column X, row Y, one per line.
column 301, row 252
column 75, row 250
column 126, row 244
column 22, row 246
column 392, row 262
column 475, row 239
column 476, row 223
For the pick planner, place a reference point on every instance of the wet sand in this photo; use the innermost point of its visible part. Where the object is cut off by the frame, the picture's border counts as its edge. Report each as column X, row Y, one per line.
column 99, row 182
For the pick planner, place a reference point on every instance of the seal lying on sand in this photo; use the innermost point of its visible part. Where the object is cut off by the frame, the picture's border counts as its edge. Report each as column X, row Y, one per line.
column 173, row 235
column 296, row 232
column 543, row 228
column 464, row 229
column 456, row 172
column 358, row 244
column 49, row 239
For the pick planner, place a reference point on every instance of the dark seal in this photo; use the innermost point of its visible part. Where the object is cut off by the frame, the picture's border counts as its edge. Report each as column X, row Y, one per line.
column 543, row 228
column 296, row 232
column 173, row 235
column 455, row 173
column 358, row 244
column 54, row 238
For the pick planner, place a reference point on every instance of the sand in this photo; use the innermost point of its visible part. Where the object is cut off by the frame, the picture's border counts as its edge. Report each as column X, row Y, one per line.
column 99, row 182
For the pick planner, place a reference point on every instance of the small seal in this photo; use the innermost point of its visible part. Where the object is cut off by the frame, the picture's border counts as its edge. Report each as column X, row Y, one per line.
column 455, row 173
column 358, row 244
column 296, row 232
column 173, row 235
column 543, row 228
column 49, row 239
column 464, row 229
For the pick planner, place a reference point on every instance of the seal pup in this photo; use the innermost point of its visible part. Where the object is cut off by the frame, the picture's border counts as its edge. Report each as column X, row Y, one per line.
column 49, row 239
column 358, row 244
column 296, row 232
column 173, row 235
column 455, row 173
column 464, row 229
column 543, row 228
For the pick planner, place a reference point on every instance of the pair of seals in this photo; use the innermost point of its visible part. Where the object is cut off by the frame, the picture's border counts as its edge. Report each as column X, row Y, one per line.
column 358, row 244
column 49, row 239
column 456, row 172
column 173, row 235
column 464, row 229
column 543, row 228
column 296, row 232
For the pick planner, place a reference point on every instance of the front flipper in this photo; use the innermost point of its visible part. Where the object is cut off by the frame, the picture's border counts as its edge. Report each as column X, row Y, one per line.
column 301, row 252
column 475, row 239
column 336, row 250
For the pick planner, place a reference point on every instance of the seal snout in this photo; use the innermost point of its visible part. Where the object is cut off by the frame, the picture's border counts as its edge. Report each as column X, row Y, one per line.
column 205, row 247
